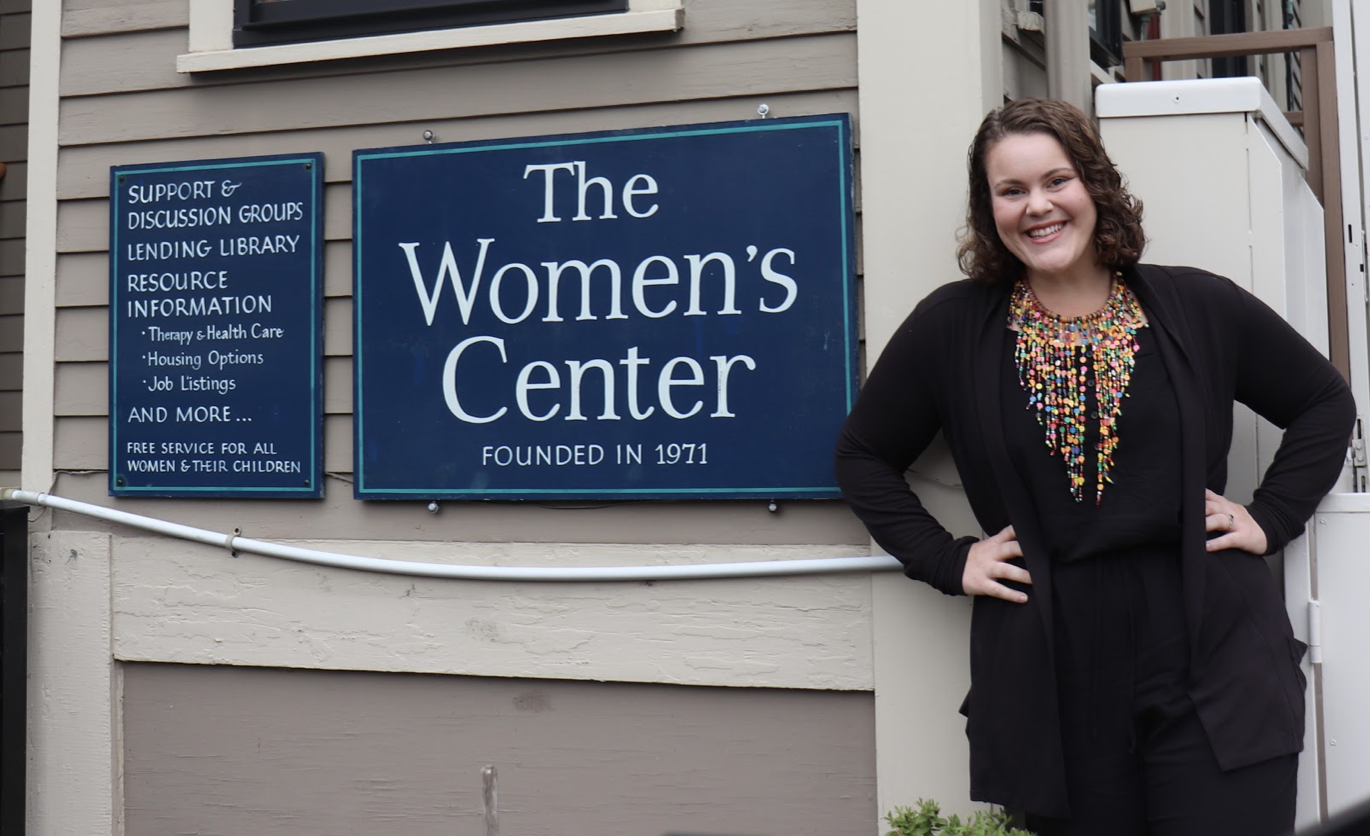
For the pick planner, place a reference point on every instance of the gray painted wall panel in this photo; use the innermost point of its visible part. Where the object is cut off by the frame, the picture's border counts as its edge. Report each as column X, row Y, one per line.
column 219, row 750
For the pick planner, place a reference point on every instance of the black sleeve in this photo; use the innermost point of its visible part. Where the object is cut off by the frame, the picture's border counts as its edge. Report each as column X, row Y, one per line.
column 1289, row 383
column 893, row 421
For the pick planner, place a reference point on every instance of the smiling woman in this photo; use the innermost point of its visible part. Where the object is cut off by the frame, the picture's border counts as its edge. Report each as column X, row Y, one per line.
column 1046, row 218
column 1126, row 638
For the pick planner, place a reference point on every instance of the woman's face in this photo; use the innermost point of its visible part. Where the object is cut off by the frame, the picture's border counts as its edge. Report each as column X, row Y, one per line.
column 1042, row 211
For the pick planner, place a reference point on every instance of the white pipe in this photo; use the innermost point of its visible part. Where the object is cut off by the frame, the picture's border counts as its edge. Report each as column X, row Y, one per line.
column 233, row 542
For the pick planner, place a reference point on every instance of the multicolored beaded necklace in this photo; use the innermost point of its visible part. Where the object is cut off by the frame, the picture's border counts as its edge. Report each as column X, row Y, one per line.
column 1056, row 356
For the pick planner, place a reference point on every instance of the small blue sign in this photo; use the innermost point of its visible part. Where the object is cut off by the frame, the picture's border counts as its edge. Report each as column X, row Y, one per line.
column 648, row 314
column 215, row 343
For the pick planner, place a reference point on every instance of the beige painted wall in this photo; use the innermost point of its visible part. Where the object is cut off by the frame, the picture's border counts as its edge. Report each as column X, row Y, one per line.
column 181, row 602
column 914, row 139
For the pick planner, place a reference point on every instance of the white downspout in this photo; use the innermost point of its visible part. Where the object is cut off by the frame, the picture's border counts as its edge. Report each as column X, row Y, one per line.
column 236, row 543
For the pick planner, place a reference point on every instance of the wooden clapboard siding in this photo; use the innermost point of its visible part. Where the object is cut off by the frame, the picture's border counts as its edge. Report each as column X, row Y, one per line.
column 11, row 298
column 14, row 102
column 731, row 69
column 14, row 68
column 14, row 113
column 85, row 169
column 11, row 334
column 142, row 57
column 12, row 257
column 82, row 334
column 82, row 279
column 83, row 18
column 11, row 371
column 10, row 412
column 14, row 189
column 124, row 103
column 81, row 389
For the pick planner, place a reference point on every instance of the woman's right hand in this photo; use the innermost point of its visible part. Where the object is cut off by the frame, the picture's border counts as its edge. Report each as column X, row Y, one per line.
column 987, row 564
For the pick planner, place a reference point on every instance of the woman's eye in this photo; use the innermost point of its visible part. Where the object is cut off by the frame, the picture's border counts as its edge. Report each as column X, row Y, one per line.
column 1059, row 181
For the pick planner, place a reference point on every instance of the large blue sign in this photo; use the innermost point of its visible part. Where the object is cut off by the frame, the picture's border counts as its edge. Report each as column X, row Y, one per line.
column 215, row 342
column 661, row 313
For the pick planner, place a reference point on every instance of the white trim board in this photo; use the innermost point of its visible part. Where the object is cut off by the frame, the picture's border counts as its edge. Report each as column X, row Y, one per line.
column 211, row 36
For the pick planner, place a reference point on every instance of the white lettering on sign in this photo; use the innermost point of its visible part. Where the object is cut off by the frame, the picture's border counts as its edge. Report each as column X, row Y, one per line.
column 654, row 271
column 542, row 376
column 638, row 184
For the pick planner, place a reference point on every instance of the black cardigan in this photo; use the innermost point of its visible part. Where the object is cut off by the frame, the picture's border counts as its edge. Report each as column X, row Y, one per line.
column 941, row 371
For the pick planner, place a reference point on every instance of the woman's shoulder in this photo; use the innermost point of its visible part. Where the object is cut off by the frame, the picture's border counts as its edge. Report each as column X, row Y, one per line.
column 953, row 296
column 1193, row 283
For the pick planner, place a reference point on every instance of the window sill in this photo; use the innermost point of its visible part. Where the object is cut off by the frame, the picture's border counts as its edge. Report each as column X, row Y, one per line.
column 668, row 17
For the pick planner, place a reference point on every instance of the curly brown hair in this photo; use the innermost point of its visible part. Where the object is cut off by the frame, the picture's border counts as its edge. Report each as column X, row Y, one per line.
column 1118, row 236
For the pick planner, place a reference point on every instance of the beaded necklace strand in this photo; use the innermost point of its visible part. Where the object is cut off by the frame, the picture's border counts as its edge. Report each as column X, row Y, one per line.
column 1056, row 356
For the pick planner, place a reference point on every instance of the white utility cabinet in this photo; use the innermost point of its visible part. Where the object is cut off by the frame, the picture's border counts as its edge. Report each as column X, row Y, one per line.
column 1221, row 174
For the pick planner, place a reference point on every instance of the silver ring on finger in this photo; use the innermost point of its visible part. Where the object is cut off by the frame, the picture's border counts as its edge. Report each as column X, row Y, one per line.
column 1231, row 521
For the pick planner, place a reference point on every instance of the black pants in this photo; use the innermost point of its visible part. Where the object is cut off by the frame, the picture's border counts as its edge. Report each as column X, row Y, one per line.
column 1138, row 762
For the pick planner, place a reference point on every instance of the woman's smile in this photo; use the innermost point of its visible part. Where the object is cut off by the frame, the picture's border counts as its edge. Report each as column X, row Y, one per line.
column 1042, row 211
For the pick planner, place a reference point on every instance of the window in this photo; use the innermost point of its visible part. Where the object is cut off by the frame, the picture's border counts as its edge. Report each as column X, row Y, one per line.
column 258, row 22
column 1226, row 17
column 234, row 34
column 1105, row 33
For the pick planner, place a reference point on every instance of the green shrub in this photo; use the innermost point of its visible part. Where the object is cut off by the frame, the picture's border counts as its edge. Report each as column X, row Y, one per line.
column 927, row 821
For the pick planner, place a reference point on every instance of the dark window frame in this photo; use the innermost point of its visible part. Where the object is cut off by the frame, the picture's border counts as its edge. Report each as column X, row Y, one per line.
column 270, row 22
column 1106, row 35
column 14, row 565
column 1227, row 17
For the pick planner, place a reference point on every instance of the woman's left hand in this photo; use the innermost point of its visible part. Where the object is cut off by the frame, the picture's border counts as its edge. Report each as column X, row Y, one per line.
column 1239, row 530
